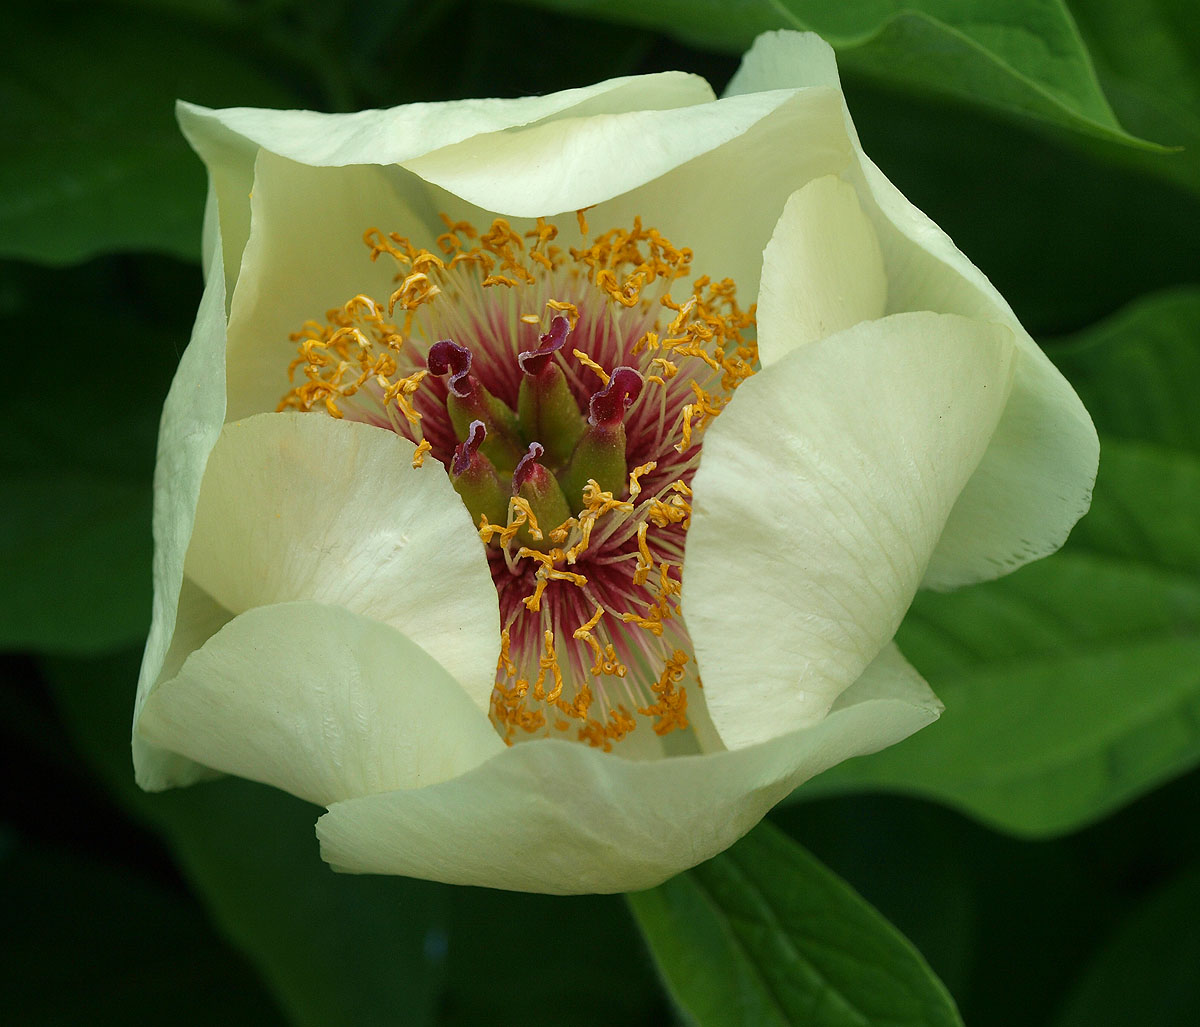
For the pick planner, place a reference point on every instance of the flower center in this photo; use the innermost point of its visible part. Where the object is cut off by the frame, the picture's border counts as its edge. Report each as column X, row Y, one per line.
column 565, row 391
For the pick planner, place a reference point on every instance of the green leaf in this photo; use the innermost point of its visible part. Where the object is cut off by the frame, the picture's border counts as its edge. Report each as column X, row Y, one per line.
column 765, row 935
column 1147, row 56
column 77, row 452
column 93, row 159
column 1024, row 58
column 1073, row 685
column 99, row 945
column 1145, row 973
column 1083, row 232
column 1138, row 372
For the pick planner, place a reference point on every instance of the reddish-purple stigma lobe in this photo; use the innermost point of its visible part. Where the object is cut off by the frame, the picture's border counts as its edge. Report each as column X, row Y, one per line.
column 533, row 362
column 465, row 451
column 448, row 357
column 528, row 466
column 607, row 407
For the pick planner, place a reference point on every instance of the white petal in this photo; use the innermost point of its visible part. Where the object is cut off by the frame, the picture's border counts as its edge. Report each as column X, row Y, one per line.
column 197, row 619
column 1036, row 478
column 397, row 134
column 563, row 165
column 785, row 60
column 821, row 493
column 559, row 817
column 822, row 270
column 228, row 140
column 724, row 204
column 191, row 421
column 320, row 702
column 305, row 255
column 301, row 506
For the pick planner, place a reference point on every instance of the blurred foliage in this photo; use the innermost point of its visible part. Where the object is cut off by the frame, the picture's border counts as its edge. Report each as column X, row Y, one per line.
column 1072, row 687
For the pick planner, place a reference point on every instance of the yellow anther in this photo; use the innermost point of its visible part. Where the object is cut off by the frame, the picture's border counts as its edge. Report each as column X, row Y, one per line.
column 670, row 709
column 548, row 662
column 560, row 534
column 672, row 511
column 600, row 502
column 635, row 486
column 520, row 513
column 563, row 307
column 533, row 602
column 418, row 459
column 667, row 367
column 645, row 561
column 591, row 365
column 505, row 662
column 542, row 234
column 500, row 280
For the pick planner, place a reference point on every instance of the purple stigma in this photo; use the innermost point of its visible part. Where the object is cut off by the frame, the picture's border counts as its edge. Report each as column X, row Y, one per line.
column 533, row 362
column 607, row 407
column 465, row 452
column 528, row 466
column 448, row 357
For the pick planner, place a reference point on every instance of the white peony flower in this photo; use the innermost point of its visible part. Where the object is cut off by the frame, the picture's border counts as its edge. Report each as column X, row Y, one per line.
column 555, row 562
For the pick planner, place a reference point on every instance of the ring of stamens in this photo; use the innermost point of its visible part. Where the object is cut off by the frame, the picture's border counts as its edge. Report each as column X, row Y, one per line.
column 496, row 337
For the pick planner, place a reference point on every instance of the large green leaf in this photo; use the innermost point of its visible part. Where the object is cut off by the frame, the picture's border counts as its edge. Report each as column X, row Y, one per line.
column 1147, row 56
column 1021, row 57
column 1074, row 685
column 1066, row 231
column 1146, row 973
column 93, row 160
column 764, row 935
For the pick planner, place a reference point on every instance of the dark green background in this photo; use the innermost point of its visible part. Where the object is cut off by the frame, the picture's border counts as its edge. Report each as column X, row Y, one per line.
column 1040, row 846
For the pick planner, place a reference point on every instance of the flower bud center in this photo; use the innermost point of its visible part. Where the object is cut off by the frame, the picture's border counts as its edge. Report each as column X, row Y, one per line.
column 574, row 462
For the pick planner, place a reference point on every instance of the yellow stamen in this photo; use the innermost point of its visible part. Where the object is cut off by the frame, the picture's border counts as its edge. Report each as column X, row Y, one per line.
column 418, row 459
column 671, row 706
column 591, row 365
column 635, row 486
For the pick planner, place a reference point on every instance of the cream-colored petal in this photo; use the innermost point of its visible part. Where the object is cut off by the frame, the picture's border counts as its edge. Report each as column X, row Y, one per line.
column 558, row 817
column 305, row 255
column 785, row 60
column 191, row 422
column 822, row 270
column 302, row 506
column 822, row 491
column 320, row 702
column 723, row 204
column 198, row 617
column 229, row 140
column 563, row 165
column 1032, row 485
column 397, row 134
column 1035, row 480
